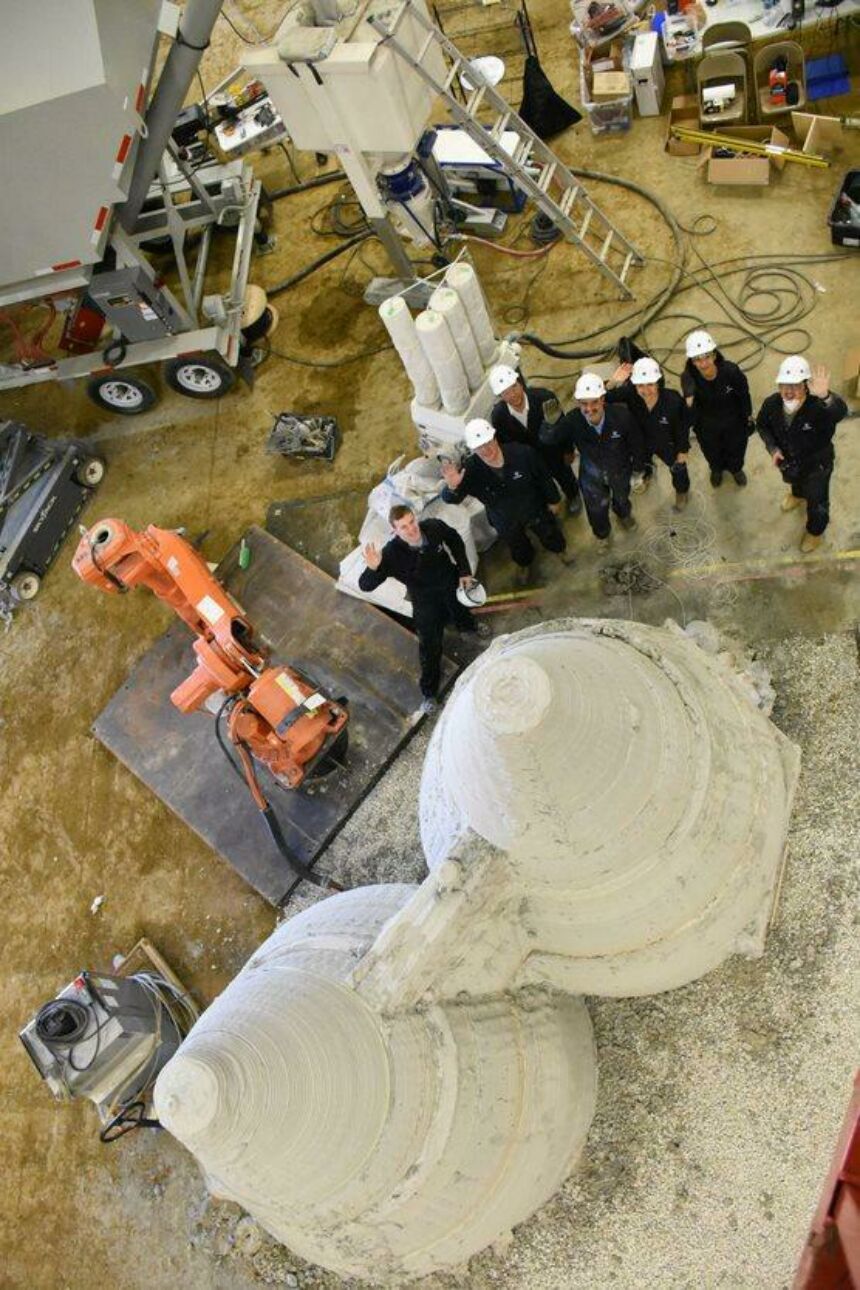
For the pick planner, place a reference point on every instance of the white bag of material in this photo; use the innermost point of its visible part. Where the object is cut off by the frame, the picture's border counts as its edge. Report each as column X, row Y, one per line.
column 400, row 325
column 413, row 485
column 443, row 356
column 464, row 280
column 448, row 303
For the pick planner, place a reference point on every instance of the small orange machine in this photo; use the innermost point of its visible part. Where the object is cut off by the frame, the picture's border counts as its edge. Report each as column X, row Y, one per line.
column 274, row 714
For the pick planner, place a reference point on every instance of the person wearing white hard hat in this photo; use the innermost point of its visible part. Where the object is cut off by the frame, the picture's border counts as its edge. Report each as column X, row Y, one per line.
column 518, row 417
column 663, row 418
column 718, row 396
column 609, row 442
column 430, row 559
column 797, row 425
column 516, row 490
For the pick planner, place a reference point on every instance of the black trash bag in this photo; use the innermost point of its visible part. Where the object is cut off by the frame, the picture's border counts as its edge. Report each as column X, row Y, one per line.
column 542, row 109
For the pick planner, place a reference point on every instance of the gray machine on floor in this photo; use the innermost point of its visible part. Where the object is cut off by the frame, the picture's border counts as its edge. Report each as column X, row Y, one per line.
column 44, row 484
column 106, row 1038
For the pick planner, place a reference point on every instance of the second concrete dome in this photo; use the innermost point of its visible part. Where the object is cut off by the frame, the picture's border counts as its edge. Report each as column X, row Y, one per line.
column 638, row 798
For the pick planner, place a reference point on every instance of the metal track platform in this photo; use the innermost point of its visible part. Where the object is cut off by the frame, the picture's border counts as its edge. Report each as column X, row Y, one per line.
column 346, row 645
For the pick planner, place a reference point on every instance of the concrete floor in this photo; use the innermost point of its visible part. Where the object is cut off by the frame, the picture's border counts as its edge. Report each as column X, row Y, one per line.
column 774, row 1037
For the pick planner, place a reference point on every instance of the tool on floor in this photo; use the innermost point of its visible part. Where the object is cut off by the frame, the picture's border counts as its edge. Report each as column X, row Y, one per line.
column 106, row 1037
column 44, row 483
column 758, row 148
column 296, row 435
column 275, row 716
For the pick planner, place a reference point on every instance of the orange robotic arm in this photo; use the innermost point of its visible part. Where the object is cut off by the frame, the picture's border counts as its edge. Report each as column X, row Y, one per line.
column 276, row 716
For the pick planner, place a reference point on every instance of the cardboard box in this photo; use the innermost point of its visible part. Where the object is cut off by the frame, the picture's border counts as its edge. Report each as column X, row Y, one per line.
column 750, row 170
column 851, row 373
column 683, row 111
column 610, row 85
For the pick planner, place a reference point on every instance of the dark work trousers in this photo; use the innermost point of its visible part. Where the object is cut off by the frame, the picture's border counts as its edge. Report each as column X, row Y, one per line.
column 724, row 444
column 678, row 470
column 560, row 469
column 430, row 615
column 545, row 528
column 599, row 489
column 814, row 488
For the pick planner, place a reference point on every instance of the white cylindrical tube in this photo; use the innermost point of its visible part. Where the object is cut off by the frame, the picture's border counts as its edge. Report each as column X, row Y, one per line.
column 400, row 326
column 463, row 278
column 438, row 344
column 448, row 303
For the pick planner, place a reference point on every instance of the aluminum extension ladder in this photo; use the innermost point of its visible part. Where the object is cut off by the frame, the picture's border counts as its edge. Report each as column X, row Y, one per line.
column 532, row 165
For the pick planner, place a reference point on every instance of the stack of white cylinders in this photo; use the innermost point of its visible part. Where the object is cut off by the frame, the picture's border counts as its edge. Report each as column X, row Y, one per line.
column 400, row 326
column 464, row 280
column 444, row 358
column 447, row 302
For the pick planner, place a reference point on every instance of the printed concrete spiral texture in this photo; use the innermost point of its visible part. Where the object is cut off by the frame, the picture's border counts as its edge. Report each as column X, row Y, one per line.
column 639, row 800
column 380, row 1143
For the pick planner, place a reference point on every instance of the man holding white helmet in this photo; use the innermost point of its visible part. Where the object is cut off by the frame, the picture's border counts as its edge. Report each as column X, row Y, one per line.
column 429, row 558
column 609, row 442
column 662, row 417
column 797, row 425
column 518, row 417
column 516, row 489
column 718, row 397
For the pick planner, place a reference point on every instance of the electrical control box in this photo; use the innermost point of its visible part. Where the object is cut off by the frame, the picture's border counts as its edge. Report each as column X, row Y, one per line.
column 131, row 302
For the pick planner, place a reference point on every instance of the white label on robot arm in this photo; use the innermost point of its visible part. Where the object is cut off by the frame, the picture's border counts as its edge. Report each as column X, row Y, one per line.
column 210, row 610
column 289, row 687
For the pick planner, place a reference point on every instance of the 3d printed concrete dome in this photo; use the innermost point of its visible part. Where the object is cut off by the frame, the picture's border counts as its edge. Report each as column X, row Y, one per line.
column 400, row 1074
column 640, row 801
column 378, row 1143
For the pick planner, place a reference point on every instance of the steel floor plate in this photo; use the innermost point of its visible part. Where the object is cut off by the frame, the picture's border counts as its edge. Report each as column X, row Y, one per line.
column 346, row 645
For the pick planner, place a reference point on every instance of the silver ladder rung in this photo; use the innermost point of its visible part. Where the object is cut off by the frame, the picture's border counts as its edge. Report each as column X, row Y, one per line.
column 521, row 151
column 474, row 100
column 499, row 126
column 629, row 260
column 452, row 75
column 428, row 43
column 604, row 250
column 567, row 199
column 585, row 223
column 546, row 176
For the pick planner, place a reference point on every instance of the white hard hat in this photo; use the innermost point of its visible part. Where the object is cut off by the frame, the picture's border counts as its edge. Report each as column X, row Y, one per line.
column 502, row 378
column 792, row 370
column 474, row 596
column 478, row 431
column 589, row 386
column 699, row 343
column 646, row 371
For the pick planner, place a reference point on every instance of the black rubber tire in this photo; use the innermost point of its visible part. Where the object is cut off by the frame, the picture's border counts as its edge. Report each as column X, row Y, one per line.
column 204, row 376
column 104, row 391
